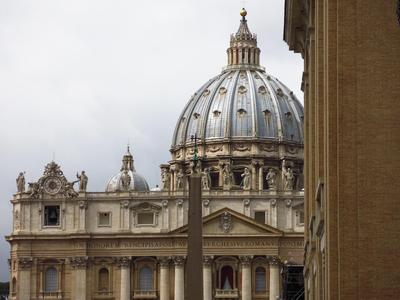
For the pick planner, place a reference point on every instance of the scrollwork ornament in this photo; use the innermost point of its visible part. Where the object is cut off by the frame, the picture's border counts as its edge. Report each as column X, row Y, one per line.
column 25, row 262
column 246, row 202
column 273, row 202
column 206, row 202
column 164, row 203
column 288, row 202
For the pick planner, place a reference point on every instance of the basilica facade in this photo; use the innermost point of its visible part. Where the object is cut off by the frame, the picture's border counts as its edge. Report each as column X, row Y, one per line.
column 130, row 241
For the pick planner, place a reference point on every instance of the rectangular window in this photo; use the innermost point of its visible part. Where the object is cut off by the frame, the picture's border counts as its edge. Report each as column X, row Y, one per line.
column 52, row 215
column 145, row 218
column 301, row 217
column 259, row 216
column 104, row 219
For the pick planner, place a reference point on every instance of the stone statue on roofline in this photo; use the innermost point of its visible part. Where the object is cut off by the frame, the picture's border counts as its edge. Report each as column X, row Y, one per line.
column 83, row 180
column 20, row 182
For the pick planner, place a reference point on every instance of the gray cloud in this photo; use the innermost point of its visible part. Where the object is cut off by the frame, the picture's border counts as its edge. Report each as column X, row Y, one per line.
column 82, row 78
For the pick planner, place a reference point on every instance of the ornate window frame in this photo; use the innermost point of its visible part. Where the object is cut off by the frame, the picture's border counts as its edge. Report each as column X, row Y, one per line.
column 139, row 263
column 146, row 207
column 109, row 219
column 43, row 266
column 260, row 262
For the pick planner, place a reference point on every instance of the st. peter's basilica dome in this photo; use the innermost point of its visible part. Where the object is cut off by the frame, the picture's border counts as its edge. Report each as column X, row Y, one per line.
column 243, row 102
column 243, row 121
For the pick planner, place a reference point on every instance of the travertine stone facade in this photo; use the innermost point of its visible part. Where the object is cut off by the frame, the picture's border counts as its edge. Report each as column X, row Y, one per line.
column 130, row 242
column 352, row 136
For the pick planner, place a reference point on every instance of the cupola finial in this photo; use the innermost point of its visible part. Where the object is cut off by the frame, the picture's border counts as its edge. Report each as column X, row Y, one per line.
column 243, row 50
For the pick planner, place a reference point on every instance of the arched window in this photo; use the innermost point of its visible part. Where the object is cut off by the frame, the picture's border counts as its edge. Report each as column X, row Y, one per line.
column 14, row 285
column 145, row 279
column 104, row 280
column 226, row 278
column 51, row 280
column 260, row 283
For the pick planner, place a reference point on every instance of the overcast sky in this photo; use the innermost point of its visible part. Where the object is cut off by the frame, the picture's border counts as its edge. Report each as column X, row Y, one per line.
column 80, row 79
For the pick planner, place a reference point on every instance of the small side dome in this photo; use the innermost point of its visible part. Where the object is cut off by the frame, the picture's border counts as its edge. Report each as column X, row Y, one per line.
column 127, row 179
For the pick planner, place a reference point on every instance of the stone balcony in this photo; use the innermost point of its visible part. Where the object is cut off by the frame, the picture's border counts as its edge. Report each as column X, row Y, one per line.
column 139, row 294
column 226, row 294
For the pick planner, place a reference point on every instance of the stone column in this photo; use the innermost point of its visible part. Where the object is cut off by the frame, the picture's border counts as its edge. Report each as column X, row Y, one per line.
column 289, row 216
column 273, row 278
column 124, row 212
column 165, row 215
column 261, row 177
column 179, row 212
column 246, row 276
column 254, row 165
column 79, row 264
column 82, row 215
column 124, row 264
column 179, row 293
column 207, row 277
column 24, row 279
column 164, row 277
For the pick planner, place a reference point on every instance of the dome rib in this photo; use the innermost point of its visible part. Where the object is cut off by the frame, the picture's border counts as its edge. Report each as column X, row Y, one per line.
column 203, row 128
column 229, row 114
column 253, row 103
column 275, row 103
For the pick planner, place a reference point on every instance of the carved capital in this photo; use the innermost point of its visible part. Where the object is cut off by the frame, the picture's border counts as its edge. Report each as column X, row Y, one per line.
column 246, row 202
column 179, row 202
column 79, row 262
column 274, row 260
column 206, row 202
column 207, row 260
column 125, row 204
column 82, row 204
column 164, row 203
column 123, row 262
column 25, row 263
column 273, row 202
column 288, row 202
column 179, row 261
column 245, row 260
column 164, row 261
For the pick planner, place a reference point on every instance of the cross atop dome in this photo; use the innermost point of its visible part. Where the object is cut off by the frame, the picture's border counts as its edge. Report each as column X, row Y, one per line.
column 243, row 50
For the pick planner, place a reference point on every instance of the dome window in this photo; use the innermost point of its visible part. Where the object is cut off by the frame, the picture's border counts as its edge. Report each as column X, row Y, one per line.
column 279, row 92
column 241, row 112
column 222, row 91
column 206, row 93
column 288, row 115
column 216, row 113
column 262, row 90
column 196, row 115
column 242, row 89
column 267, row 113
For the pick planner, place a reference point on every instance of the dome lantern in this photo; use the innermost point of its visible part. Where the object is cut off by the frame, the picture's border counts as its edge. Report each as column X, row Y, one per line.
column 127, row 179
column 243, row 50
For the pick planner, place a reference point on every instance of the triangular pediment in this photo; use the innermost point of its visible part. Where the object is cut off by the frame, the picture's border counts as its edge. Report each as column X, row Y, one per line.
column 229, row 222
